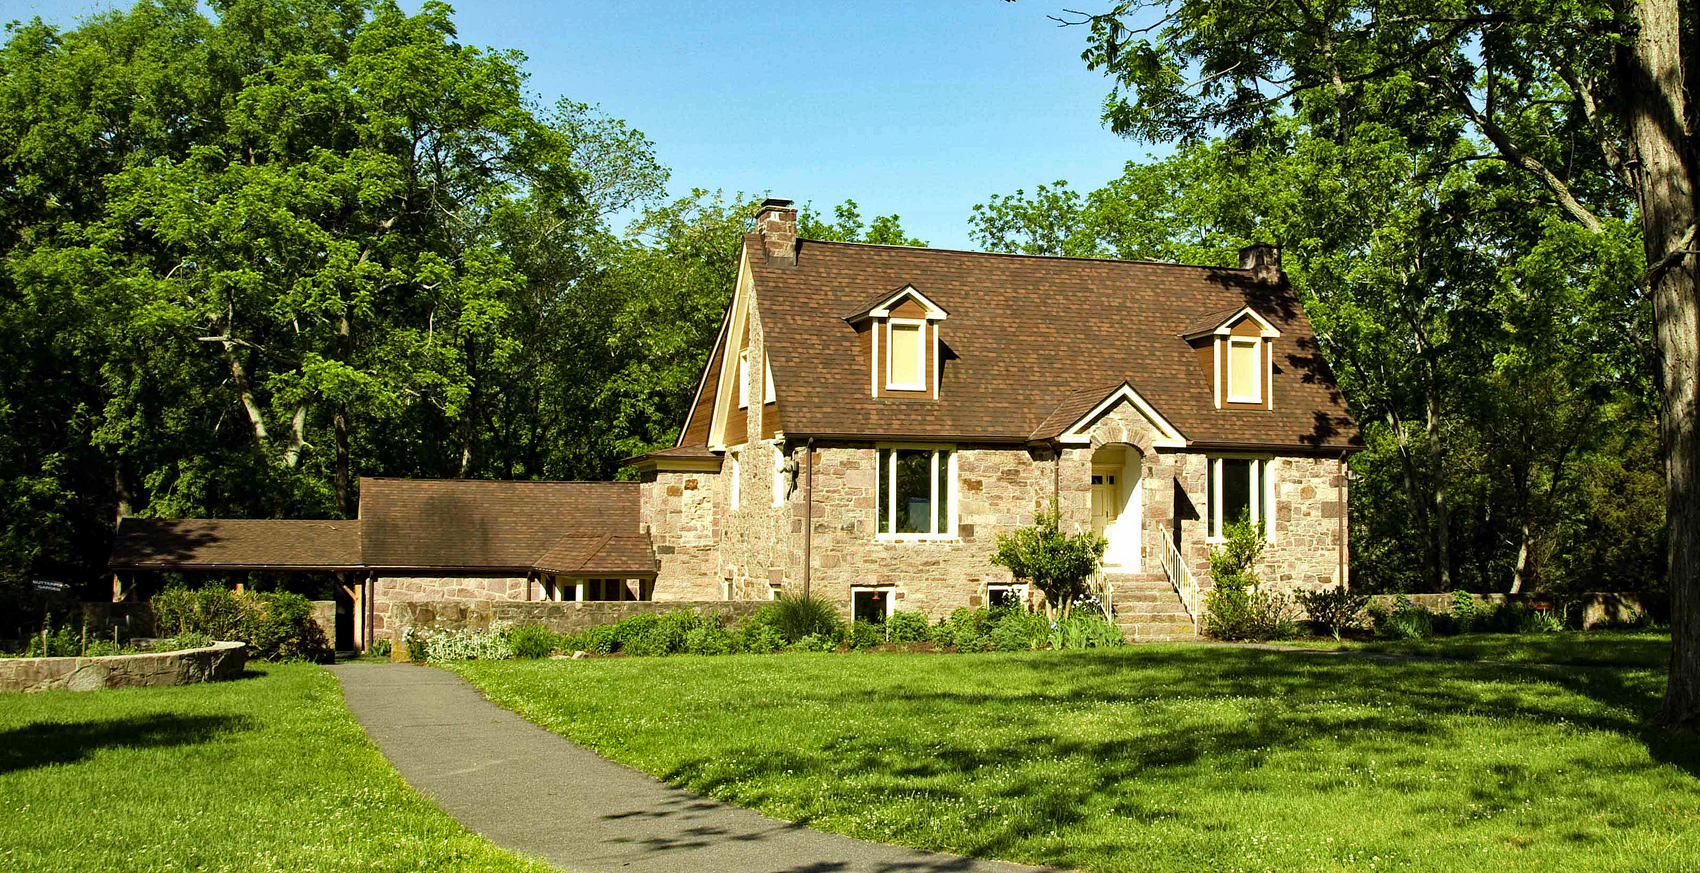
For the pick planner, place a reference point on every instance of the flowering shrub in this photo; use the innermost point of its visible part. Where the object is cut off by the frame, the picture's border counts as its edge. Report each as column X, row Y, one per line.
column 437, row 646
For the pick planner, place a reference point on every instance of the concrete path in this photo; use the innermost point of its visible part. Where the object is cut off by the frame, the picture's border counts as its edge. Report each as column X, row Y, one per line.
column 531, row 791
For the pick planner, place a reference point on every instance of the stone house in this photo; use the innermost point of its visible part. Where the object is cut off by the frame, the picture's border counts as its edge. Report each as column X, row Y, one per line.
column 872, row 417
column 869, row 420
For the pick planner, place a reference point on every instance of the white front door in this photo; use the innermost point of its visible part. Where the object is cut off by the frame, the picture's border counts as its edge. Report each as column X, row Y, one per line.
column 1106, row 498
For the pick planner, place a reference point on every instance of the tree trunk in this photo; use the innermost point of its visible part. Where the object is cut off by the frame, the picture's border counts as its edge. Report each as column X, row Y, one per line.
column 1522, row 569
column 1408, row 467
column 341, row 475
column 1653, row 86
column 1442, row 524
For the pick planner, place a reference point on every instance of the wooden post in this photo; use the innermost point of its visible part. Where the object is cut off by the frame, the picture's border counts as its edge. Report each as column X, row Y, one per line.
column 359, row 598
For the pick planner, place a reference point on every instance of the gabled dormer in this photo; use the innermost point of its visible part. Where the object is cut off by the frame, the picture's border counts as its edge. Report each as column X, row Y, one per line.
column 1237, row 348
column 900, row 342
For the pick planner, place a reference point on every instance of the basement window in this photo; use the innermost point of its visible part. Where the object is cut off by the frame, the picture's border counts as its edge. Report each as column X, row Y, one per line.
column 1013, row 595
column 872, row 605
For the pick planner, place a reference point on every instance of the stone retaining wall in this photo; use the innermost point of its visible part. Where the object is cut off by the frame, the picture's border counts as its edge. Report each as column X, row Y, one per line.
column 220, row 661
column 1590, row 610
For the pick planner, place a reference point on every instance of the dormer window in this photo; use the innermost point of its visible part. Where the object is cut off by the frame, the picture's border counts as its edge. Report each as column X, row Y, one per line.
column 1245, row 370
column 906, row 361
column 1237, row 348
column 900, row 332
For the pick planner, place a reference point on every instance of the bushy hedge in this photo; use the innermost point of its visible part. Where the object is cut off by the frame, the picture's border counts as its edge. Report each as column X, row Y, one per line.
column 276, row 625
column 686, row 632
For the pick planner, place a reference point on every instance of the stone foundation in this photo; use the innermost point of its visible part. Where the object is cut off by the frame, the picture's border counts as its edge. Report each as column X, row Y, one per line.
column 220, row 661
column 393, row 590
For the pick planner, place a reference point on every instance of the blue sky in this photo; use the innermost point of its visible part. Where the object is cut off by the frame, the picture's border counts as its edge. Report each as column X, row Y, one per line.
column 923, row 109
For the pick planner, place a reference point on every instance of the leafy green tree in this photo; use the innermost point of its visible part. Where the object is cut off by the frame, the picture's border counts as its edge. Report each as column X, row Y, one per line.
column 1055, row 562
column 846, row 226
column 1586, row 103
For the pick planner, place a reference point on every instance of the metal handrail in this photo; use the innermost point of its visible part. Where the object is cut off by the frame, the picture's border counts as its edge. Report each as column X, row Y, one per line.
column 1180, row 576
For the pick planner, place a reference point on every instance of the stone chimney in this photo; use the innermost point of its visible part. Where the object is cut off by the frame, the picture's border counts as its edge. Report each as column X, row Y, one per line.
column 1263, row 260
column 776, row 221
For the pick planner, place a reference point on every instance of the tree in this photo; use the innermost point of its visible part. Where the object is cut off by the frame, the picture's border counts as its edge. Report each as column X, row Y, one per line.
column 1057, row 563
column 1588, row 101
column 885, row 230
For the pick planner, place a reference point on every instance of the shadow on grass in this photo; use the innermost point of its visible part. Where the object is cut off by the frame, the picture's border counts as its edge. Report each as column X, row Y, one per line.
column 40, row 744
column 1392, row 715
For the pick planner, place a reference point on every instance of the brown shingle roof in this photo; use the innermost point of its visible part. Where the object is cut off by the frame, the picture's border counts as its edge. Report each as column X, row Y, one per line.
column 606, row 555
column 473, row 524
column 1025, row 332
column 235, row 544
column 1071, row 409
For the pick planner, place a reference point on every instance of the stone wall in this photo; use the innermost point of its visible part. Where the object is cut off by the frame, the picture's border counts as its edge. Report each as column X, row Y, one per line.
column 677, row 508
column 393, row 590
column 560, row 617
column 220, row 661
column 135, row 618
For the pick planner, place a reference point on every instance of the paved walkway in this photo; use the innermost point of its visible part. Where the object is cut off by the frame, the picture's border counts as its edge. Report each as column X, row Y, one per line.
column 529, row 790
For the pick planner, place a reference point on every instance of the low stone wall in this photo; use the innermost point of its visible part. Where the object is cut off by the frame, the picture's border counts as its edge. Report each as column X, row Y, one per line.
column 568, row 617
column 1590, row 610
column 220, row 661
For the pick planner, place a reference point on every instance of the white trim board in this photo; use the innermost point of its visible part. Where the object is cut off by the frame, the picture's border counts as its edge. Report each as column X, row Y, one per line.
column 1169, row 437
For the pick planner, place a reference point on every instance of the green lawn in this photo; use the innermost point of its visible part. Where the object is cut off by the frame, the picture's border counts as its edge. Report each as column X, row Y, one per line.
column 268, row 772
column 1649, row 649
column 1155, row 757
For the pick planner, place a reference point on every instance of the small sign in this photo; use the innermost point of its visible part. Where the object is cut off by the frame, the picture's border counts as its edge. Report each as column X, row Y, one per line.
column 51, row 587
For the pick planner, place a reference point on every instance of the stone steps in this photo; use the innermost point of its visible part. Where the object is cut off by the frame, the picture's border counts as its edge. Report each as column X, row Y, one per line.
column 1148, row 610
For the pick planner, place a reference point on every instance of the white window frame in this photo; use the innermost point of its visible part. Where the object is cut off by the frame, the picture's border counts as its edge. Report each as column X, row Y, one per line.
column 890, row 473
column 1256, row 343
column 921, row 370
column 737, row 474
column 1021, row 590
column 773, row 591
column 767, row 393
column 744, row 379
column 890, row 598
column 1262, row 499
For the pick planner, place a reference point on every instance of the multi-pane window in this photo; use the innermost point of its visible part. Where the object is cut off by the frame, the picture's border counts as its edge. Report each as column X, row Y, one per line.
column 906, row 355
column 914, row 490
column 1236, row 487
column 1013, row 595
column 1245, row 370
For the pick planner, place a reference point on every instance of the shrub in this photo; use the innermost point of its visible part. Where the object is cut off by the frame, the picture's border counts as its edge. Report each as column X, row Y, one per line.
column 710, row 639
column 814, row 643
column 965, row 630
column 490, row 644
column 417, row 648
column 1056, row 563
column 1236, row 608
column 1086, row 630
column 1336, row 609
column 907, row 627
column 380, row 648
column 799, row 615
column 185, row 640
column 601, row 640
column 757, row 638
column 276, row 625
column 1465, row 615
column 1537, row 622
column 660, row 635
column 1017, row 630
column 1405, row 621
column 533, row 641
column 863, row 635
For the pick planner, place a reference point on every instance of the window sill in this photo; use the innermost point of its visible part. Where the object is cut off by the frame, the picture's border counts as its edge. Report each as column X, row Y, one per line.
column 1233, row 399
column 915, row 538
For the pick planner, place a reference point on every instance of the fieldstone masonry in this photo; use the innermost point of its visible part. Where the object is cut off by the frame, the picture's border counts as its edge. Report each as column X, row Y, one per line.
column 220, row 661
column 702, row 542
column 395, row 590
